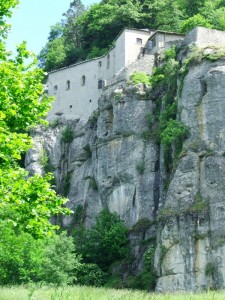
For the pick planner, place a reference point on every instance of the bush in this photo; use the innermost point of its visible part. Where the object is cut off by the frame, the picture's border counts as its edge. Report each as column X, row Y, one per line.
column 175, row 132
column 90, row 275
column 140, row 78
column 45, row 161
column 67, row 135
column 60, row 261
column 140, row 167
column 105, row 242
column 192, row 22
column 141, row 225
column 218, row 18
column 93, row 184
column 21, row 256
column 26, row 259
column 97, row 52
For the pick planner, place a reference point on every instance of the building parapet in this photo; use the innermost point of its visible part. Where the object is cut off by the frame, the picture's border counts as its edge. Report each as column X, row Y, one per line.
column 203, row 37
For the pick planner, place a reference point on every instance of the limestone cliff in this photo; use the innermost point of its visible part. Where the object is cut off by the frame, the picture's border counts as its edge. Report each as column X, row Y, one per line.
column 190, row 251
column 109, row 162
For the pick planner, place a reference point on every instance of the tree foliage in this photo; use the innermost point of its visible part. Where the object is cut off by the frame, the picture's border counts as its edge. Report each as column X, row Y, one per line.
column 88, row 33
column 26, row 202
column 105, row 242
column 26, row 259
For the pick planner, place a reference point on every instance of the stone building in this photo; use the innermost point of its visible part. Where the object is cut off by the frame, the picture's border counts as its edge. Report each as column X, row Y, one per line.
column 78, row 87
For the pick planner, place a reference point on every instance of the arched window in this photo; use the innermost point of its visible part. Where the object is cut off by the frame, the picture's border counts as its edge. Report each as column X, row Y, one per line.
column 101, row 84
column 108, row 61
column 83, row 79
column 68, row 85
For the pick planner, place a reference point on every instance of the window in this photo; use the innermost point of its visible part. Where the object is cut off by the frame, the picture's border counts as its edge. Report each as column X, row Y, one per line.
column 83, row 79
column 55, row 88
column 108, row 61
column 71, row 106
column 101, row 84
column 139, row 41
column 99, row 64
column 154, row 42
column 68, row 85
column 150, row 45
column 90, row 100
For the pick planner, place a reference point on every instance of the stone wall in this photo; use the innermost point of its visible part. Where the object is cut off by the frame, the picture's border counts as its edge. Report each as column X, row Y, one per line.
column 163, row 40
column 204, row 37
column 81, row 99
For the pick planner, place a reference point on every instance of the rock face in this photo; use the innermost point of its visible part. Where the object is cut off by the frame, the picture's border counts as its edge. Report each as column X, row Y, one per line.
column 190, row 250
column 109, row 163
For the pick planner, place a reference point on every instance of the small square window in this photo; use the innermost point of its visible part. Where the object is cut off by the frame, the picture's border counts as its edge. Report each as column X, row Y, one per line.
column 139, row 41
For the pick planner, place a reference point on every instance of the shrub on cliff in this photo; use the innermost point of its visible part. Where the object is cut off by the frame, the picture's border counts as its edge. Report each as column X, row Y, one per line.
column 105, row 242
column 139, row 77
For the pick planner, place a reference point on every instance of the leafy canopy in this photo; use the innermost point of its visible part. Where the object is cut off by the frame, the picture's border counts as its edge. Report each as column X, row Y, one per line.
column 105, row 242
column 88, row 33
column 26, row 202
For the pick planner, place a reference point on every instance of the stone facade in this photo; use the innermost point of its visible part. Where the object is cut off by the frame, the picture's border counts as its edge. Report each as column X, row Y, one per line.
column 162, row 40
column 77, row 88
column 204, row 37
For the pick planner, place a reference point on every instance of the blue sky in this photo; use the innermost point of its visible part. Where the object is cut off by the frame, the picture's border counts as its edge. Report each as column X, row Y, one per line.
column 32, row 19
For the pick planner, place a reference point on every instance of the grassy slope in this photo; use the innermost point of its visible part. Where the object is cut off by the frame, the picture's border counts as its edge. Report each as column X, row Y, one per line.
column 87, row 293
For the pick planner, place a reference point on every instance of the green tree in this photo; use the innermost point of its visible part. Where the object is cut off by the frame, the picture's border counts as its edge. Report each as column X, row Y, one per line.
column 105, row 242
column 5, row 11
column 26, row 259
column 103, row 21
column 71, row 30
column 191, row 7
column 64, row 45
column 90, row 33
column 27, row 203
column 196, row 20
column 56, row 31
column 56, row 54
column 217, row 18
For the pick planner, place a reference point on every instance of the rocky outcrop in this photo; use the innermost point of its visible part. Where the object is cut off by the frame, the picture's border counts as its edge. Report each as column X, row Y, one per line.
column 109, row 162
column 190, row 249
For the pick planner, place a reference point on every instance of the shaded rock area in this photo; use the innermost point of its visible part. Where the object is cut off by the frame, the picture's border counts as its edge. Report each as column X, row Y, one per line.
column 107, row 163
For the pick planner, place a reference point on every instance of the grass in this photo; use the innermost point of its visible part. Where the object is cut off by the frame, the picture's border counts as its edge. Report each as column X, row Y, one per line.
column 89, row 293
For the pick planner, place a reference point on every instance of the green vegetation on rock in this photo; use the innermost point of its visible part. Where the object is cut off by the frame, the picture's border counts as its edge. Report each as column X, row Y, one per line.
column 164, row 126
column 67, row 134
column 139, row 77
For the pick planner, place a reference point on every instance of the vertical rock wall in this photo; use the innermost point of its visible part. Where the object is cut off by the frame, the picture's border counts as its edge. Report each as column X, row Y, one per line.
column 109, row 164
column 190, row 247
